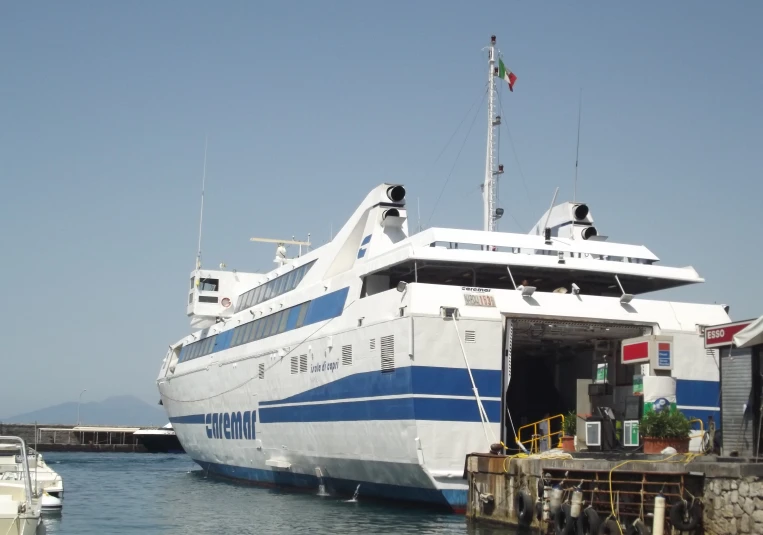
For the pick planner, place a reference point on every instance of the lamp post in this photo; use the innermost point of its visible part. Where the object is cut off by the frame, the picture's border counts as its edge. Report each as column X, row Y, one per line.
column 78, row 403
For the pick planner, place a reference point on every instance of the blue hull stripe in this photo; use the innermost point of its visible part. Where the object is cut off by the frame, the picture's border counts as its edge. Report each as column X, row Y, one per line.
column 429, row 380
column 188, row 419
column 437, row 409
column 408, row 408
column 452, row 499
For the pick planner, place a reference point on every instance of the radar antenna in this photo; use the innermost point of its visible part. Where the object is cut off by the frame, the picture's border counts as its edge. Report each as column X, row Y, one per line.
column 280, row 258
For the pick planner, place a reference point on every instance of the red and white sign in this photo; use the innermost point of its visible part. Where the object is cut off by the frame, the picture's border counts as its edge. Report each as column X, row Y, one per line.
column 723, row 335
column 635, row 352
column 655, row 350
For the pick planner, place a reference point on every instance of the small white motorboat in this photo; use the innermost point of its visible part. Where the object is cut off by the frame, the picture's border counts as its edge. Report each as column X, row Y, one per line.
column 20, row 504
column 46, row 483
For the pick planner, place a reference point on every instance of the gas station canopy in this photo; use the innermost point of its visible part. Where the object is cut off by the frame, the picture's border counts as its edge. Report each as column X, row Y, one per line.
column 751, row 335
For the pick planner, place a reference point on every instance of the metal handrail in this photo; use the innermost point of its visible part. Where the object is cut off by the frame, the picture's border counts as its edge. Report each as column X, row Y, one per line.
column 701, row 423
column 24, row 466
column 536, row 439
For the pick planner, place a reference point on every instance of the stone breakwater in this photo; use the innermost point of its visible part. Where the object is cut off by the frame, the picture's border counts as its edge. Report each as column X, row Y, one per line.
column 733, row 506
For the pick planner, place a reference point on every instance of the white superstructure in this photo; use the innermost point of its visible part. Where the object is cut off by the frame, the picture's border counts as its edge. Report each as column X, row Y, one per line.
column 381, row 358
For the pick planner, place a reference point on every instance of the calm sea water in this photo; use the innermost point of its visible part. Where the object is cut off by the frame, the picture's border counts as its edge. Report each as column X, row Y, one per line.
column 120, row 494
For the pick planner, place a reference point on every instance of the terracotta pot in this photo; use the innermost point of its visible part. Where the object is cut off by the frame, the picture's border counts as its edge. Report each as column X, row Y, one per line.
column 568, row 443
column 656, row 445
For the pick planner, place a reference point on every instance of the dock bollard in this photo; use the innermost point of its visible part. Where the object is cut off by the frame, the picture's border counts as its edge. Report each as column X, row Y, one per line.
column 658, row 522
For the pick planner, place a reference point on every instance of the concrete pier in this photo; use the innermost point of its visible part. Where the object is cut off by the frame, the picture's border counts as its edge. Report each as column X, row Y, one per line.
column 729, row 494
column 47, row 438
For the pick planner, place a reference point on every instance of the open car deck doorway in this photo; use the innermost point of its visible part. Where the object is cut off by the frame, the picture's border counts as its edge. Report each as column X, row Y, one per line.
column 549, row 363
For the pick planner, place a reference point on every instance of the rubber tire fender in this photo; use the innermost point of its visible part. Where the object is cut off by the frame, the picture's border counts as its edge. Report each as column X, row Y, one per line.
column 588, row 522
column 679, row 509
column 639, row 528
column 524, row 508
column 609, row 527
column 563, row 522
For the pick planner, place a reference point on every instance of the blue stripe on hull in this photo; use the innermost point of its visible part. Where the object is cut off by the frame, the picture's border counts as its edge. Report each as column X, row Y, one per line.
column 409, row 408
column 450, row 498
column 188, row 419
column 431, row 380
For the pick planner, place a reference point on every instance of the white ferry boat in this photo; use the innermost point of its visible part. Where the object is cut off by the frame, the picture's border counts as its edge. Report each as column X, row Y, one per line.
column 383, row 357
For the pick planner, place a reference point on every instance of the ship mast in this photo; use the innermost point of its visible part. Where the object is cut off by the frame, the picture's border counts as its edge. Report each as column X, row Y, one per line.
column 490, row 186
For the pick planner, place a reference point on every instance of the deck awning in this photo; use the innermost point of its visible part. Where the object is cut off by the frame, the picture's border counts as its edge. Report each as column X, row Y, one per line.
column 751, row 335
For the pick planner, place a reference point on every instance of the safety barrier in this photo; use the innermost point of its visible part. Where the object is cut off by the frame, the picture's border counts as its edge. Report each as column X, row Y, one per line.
column 535, row 441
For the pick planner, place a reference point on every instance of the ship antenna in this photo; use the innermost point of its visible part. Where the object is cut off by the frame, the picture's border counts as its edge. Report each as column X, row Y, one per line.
column 418, row 209
column 201, row 215
column 577, row 149
column 490, row 188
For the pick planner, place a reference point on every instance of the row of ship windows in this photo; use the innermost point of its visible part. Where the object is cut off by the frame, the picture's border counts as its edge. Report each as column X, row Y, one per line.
column 270, row 325
column 248, row 332
column 319, row 309
column 278, row 286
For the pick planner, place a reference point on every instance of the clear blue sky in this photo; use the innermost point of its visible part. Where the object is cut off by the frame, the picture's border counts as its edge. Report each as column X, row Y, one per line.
column 104, row 107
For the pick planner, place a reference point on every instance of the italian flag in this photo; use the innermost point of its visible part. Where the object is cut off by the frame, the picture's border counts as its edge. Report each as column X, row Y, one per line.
column 506, row 74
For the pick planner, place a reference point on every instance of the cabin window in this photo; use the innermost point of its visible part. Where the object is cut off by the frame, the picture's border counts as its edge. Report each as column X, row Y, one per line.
column 254, row 297
column 207, row 299
column 267, row 292
column 247, row 334
column 266, row 326
column 275, row 323
column 278, row 286
column 193, row 280
column 259, row 324
column 290, row 279
column 284, row 319
column 302, row 314
column 281, row 284
column 209, row 285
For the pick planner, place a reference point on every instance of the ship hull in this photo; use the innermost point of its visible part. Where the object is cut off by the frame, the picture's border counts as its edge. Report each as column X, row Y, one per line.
column 453, row 500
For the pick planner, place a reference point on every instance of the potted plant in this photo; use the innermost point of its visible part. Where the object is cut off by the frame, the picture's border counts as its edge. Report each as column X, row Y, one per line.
column 569, row 428
column 665, row 428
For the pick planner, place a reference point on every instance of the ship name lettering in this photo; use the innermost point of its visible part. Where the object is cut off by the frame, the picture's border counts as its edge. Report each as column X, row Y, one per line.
column 235, row 425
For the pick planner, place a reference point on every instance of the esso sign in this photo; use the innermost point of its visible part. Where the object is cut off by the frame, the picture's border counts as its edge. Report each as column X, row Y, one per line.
column 723, row 335
column 715, row 333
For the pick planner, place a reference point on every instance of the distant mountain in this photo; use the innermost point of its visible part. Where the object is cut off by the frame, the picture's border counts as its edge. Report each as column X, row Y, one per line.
column 117, row 410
